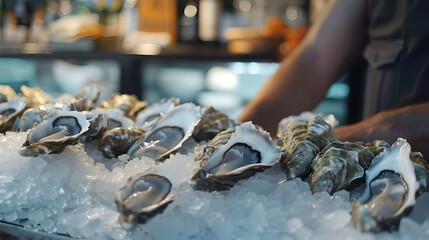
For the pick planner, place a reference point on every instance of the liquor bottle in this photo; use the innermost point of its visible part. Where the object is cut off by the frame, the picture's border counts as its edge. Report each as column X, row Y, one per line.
column 208, row 20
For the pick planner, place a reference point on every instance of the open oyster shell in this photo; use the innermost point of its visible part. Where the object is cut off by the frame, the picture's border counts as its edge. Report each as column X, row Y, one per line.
column 116, row 117
column 91, row 93
column 338, row 165
column 247, row 152
column 303, row 141
column 212, row 122
column 148, row 117
column 377, row 146
column 169, row 133
column 391, row 188
column 54, row 133
column 141, row 198
column 117, row 141
column 10, row 111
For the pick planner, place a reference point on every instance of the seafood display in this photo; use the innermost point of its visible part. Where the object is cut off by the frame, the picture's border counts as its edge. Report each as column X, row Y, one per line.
column 127, row 132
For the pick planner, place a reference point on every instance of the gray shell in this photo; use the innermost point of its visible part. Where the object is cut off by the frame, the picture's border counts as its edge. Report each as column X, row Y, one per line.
column 421, row 168
column 205, row 151
column 141, row 198
column 117, row 141
column 169, row 133
column 304, row 116
column 394, row 192
column 91, row 93
column 116, row 117
column 246, row 145
column 377, row 146
column 338, row 165
column 54, row 133
column 212, row 122
column 149, row 116
column 10, row 111
column 303, row 141
column 130, row 105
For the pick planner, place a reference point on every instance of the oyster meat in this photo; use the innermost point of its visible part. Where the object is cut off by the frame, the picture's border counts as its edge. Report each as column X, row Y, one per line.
column 54, row 133
column 117, row 141
column 248, row 151
column 10, row 111
column 303, row 141
column 141, row 198
column 338, row 165
column 154, row 112
column 391, row 189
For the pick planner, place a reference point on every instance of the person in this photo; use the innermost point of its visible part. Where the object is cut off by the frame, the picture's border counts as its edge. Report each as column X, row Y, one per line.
column 393, row 38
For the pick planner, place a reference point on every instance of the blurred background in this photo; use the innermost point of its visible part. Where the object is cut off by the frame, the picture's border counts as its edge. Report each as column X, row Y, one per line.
column 210, row 52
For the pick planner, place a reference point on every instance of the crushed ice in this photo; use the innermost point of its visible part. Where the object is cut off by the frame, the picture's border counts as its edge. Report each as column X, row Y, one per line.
column 73, row 193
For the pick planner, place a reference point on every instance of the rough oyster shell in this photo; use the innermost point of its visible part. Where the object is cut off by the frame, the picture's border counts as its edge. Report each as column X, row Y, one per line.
column 304, row 116
column 117, row 141
column 205, row 151
column 212, row 122
column 141, row 198
column 391, row 187
column 377, row 146
column 130, row 105
column 338, row 165
column 91, row 93
column 153, row 113
column 98, row 125
column 35, row 96
column 10, row 111
column 6, row 93
column 54, row 133
column 303, row 141
column 169, row 133
column 421, row 169
column 116, row 118
column 247, row 152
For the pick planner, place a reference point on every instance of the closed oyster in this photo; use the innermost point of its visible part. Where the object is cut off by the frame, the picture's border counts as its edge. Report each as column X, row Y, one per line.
column 391, row 187
column 35, row 96
column 116, row 117
column 117, row 141
column 247, row 152
column 212, row 122
column 130, row 105
column 421, row 168
column 205, row 151
column 304, row 116
column 377, row 146
column 6, row 93
column 141, row 198
column 169, row 133
column 10, row 111
column 303, row 141
column 54, row 133
column 151, row 114
column 338, row 165
column 91, row 93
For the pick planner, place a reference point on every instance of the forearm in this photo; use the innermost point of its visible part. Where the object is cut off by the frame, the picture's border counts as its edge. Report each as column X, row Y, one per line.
column 408, row 122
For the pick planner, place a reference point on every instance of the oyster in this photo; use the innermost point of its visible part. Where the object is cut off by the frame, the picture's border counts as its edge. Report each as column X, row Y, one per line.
column 54, row 133
column 205, row 151
column 391, row 187
column 338, row 165
column 212, row 122
column 141, row 198
column 247, row 152
column 303, row 141
column 150, row 115
column 35, row 96
column 10, row 111
column 169, row 133
column 304, row 116
column 377, row 146
column 130, row 105
column 421, row 169
column 91, row 93
column 98, row 125
column 116, row 117
column 117, row 141
column 6, row 93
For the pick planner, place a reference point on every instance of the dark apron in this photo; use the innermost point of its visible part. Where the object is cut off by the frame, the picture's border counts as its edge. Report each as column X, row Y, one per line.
column 397, row 53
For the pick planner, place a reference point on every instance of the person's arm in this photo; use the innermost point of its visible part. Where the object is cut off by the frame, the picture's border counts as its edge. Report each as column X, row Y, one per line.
column 301, row 82
column 408, row 122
